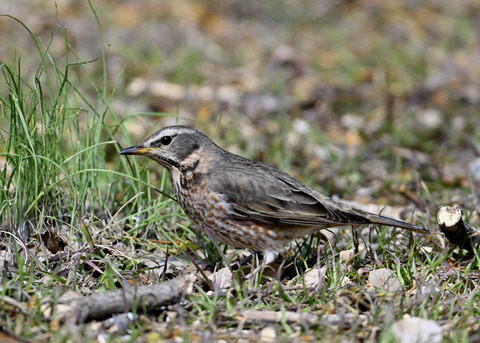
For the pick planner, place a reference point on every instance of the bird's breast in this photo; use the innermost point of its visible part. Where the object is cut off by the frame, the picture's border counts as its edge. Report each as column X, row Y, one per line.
column 210, row 213
column 195, row 198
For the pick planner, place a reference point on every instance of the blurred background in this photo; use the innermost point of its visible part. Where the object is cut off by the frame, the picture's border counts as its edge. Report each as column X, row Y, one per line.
column 359, row 90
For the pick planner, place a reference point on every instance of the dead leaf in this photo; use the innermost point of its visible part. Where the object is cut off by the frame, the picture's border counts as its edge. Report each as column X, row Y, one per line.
column 222, row 279
column 53, row 242
column 385, row 279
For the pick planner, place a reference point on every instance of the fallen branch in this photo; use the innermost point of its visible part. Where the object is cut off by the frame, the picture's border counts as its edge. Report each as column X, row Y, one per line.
column 346, row 320
column 142, row 298
column 456, row 230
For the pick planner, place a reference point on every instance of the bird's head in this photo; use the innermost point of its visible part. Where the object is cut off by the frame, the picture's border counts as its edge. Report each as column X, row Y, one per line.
column 172, row 146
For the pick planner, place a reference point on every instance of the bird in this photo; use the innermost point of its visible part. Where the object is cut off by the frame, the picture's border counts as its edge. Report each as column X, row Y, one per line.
column 244, row 203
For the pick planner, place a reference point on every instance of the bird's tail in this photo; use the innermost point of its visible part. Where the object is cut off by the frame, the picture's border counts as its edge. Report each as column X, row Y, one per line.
column 381, row 220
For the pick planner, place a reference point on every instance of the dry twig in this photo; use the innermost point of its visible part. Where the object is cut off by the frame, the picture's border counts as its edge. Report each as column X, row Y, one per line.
column 346, row 320
column 142, row 298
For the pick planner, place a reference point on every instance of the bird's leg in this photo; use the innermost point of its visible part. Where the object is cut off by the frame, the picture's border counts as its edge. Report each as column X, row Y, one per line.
column 239, row 264
column 220, row 251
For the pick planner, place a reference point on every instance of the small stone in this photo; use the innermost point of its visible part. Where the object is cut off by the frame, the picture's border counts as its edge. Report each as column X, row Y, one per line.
column 347, row 255
column 222, row 279
column 385, row 279
column 268, row 335
column 430, row 118
column 313, row 277
column 417, row 330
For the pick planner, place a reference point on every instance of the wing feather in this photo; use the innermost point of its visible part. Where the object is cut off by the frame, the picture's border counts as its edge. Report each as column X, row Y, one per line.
column 265, row 194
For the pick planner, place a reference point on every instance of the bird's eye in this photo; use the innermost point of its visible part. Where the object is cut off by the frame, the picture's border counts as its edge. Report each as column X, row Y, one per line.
column 166, row 140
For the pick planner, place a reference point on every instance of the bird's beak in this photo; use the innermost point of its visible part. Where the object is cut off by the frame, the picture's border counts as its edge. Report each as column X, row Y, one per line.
column 135, row 150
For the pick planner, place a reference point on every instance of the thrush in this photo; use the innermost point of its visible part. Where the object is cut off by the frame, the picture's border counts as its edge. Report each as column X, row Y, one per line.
column 244, row 203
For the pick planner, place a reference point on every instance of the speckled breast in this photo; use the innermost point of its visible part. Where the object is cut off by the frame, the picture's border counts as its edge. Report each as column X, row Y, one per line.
column 210, row 213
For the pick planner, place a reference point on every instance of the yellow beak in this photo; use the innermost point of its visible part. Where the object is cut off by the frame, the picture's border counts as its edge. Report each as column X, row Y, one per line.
column 135, row 150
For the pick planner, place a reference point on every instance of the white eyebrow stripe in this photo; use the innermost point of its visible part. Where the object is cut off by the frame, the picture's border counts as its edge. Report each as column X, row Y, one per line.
column 169, row 131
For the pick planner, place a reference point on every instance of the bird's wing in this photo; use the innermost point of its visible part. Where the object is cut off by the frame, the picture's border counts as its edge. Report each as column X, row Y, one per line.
column 262, row 193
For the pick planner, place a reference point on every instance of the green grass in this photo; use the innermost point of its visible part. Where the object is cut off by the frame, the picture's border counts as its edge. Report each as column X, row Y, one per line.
column 60, row 172
column 57, row 146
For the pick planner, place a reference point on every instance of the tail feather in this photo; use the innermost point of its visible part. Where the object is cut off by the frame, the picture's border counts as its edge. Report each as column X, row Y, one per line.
column 381, row 220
